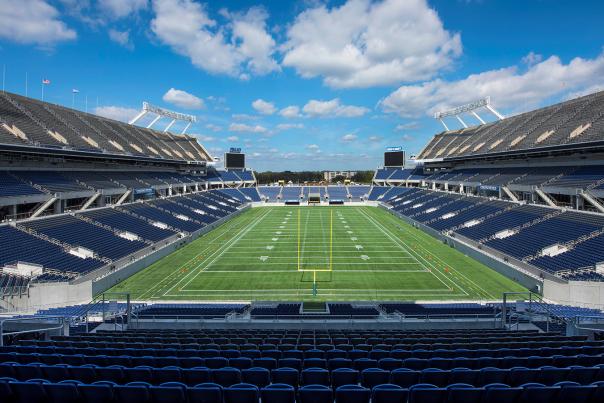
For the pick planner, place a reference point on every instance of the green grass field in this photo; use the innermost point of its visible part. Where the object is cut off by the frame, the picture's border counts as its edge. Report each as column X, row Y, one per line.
column 352, row 253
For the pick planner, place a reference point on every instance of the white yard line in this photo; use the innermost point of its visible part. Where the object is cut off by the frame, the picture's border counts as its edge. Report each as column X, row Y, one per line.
column 411, row 252
column 176, row 272
column 221, row 250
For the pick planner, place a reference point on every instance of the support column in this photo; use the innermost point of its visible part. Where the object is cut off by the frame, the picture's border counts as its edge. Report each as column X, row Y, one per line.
column 58, row 207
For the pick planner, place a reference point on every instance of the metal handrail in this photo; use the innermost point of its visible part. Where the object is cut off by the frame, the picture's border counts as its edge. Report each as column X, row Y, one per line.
column 60, row 319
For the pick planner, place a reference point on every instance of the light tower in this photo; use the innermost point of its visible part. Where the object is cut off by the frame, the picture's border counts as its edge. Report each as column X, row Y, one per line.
column 468, row 108
column 164, row 113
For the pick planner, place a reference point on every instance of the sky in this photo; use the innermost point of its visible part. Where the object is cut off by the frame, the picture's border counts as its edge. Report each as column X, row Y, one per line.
column 303, row 85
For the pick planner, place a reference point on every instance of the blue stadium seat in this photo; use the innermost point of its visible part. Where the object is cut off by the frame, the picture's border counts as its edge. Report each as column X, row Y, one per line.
column 352, row 394
column 278, row 393
column 315, row 394
column 242, row 393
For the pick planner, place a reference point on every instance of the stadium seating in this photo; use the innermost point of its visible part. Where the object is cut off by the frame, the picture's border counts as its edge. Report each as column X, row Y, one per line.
column 270, row 193
column 556, row 124
column 75, row 232
column 337, row 193
column 519, row 231
column 251, row 193
column 10, row 185
column 358, row 192
column 18, row 245
column 124, row 222
column 291, row 193
column 51, row 181
column 48, row 125
column 280, row 365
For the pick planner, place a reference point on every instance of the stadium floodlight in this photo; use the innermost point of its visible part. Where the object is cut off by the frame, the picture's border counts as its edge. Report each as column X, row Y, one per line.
column 468, row 108
column 164, row 113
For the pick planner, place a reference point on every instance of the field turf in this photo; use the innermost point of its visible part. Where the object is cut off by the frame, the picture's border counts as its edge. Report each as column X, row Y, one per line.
column 344, row 253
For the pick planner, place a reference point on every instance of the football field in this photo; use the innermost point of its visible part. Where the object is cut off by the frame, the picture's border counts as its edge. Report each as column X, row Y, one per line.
column 316, row 253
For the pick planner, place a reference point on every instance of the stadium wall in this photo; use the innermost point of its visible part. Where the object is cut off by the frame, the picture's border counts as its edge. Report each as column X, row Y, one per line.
column 104, row 283
column 580, row 293
column 52, row 295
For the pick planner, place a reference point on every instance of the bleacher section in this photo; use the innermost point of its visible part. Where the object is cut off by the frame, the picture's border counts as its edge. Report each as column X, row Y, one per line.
column 52, row 181
column 358, row 192
column 124, row 222
column 398, row 175
column 309, row 366
column 270, row 193
column 553, row 240
column 11, row 186
column 18, row 246
column 291, row 193
column 571, row 122
column 70, row 230
column 108, row 234
column 572, row 177
column 26, row 121
column 337, row 193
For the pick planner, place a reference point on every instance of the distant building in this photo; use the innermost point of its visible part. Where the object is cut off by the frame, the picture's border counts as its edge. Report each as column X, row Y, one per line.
column 330, row 175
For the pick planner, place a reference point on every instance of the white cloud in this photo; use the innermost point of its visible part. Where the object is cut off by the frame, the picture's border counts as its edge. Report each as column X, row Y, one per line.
column 288, row 126
column 122, row 8
column 121, row 37
column 116, row 112
column 363, row 43
column 313, row 148
column 205, row 138
column 375, row 139
column 264, row 107
column 508, row 87
column 350, row 137
column 333, row 108
column 233, row 138
column 241, row 127
column 532, row 58
column 183, row 99
column 32, row 21
column 406, row 126
column 290, row 112
column 244, row 116
column 213, row 127
column 239, row 48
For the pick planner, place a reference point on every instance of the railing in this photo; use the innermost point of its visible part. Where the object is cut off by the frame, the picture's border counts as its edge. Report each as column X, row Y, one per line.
column 313, row 318
column 48, row 323
column 533, row 300
column 590, row 322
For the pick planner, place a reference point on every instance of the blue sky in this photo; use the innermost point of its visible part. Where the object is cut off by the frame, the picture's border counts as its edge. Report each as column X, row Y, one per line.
column 304, row 84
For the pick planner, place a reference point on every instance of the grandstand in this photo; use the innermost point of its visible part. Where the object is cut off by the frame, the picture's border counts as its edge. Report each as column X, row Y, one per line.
column 137, row 265
column 492, row 250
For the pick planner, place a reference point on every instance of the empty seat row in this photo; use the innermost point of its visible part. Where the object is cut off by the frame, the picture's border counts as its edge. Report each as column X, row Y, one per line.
column 190, row 360
column 39, row 390
column 262, row 376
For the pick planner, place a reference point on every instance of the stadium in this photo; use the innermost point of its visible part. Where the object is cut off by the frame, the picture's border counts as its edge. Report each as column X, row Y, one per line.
column 143, row 261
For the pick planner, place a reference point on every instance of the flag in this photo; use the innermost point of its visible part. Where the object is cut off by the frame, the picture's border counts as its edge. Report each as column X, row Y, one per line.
column 46, row 81
column 75, row 91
